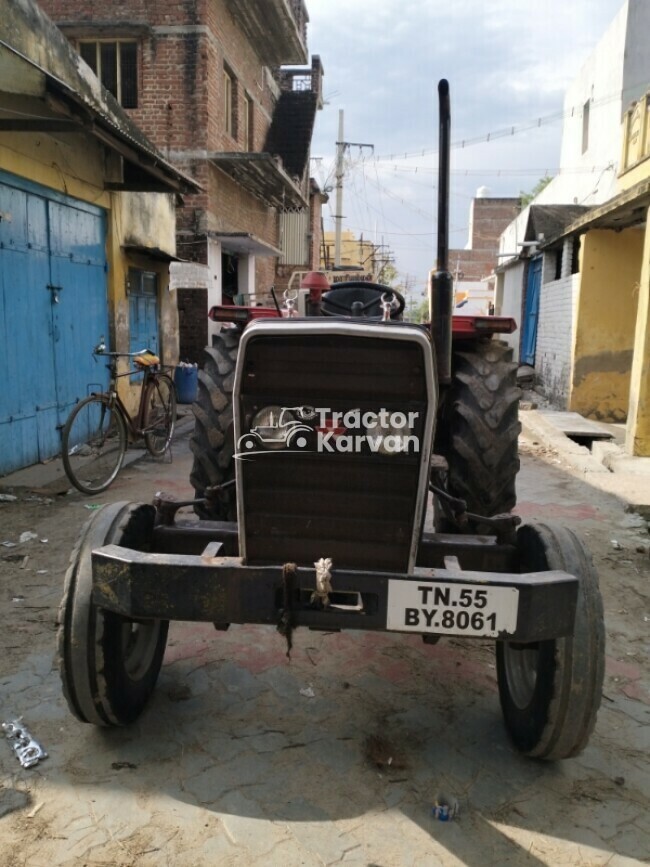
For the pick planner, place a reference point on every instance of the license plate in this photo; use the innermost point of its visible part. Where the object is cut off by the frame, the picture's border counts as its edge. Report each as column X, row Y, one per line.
column 451, row 609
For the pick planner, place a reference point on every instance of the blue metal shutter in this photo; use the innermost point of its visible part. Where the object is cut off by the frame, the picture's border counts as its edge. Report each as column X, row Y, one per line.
column 531, row 312
column 51, row 247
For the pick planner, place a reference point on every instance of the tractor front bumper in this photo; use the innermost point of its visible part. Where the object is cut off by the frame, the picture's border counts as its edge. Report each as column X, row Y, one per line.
column 432, row 601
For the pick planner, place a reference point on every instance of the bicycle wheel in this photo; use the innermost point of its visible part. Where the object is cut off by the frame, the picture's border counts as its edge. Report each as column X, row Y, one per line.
column 94, row 444
column 159, row 414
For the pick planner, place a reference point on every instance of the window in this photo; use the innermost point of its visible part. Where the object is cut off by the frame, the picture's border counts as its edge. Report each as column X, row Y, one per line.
column 228, row 107
column 115, row 63
column 585, row 127
column 553, row 264
column 249, row 108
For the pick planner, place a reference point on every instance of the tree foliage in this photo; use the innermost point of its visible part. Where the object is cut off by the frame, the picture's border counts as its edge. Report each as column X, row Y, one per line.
column 527, row 198
column 389, row 276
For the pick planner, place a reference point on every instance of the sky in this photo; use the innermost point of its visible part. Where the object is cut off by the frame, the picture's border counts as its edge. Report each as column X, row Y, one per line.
column 508, row 62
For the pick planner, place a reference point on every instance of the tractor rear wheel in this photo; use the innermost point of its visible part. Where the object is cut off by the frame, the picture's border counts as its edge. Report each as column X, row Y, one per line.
column 109, row 664
column 550, row 691
column 213, row 440
column 479, row 429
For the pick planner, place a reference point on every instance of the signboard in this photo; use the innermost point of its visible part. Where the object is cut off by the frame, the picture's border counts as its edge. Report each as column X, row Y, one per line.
column 334, row 277
column 188, row 275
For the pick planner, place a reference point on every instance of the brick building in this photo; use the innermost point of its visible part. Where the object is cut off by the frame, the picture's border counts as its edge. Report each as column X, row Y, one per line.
column 472, row 266
column 204, row 79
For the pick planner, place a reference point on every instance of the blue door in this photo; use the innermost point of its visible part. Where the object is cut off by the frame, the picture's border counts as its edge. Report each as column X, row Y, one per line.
column 143, row 312
column 531, row 312
column 80, row 316
column 52, row 311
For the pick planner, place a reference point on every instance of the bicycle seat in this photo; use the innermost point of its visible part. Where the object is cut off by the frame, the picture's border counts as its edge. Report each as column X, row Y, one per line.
column 146, row 360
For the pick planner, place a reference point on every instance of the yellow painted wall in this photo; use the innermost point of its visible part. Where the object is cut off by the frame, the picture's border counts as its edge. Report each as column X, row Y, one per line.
column 635, row 155
column 354, row 252
column 75, row 165
column 71, row 164
column 145, row 219
column 638, row 173
column 606, row 320
column 637, row 441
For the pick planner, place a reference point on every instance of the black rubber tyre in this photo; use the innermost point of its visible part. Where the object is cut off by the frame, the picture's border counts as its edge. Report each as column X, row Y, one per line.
column 159, row 415
column 108, row 664
column 550, row 691
column 479, row 429
column 213, row 440
column 93, row 444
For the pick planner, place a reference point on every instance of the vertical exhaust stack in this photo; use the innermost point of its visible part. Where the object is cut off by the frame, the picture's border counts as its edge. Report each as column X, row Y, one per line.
column 441, row 284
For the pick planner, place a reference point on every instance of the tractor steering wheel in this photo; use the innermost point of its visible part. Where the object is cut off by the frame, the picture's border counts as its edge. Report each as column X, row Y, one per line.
column 358, row 298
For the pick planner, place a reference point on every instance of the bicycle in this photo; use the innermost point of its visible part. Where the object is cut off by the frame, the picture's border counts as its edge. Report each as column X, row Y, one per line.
column 99, row 428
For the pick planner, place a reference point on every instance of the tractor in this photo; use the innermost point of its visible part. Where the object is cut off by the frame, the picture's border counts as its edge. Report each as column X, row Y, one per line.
column 351, row 471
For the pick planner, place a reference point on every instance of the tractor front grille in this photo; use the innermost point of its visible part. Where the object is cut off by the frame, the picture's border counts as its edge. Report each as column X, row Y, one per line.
column 342, row 500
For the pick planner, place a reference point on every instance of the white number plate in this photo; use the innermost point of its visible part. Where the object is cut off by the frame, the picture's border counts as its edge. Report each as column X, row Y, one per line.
column 451, row 609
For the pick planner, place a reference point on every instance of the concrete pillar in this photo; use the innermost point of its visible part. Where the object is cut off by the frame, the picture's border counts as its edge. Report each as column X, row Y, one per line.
column 246, row 278
column 214, row 284
column 637, row 441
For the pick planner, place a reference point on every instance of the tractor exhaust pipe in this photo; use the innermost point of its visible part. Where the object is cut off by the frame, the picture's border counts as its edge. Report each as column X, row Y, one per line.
column 441, row 284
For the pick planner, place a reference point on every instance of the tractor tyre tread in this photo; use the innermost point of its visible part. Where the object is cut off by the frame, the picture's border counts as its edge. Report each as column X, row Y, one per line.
column 212, row 442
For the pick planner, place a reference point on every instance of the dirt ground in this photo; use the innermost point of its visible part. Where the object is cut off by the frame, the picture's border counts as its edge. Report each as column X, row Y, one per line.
column 232, row 764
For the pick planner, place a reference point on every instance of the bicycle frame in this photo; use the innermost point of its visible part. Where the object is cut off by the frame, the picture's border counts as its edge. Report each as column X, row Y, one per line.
column 134, row 424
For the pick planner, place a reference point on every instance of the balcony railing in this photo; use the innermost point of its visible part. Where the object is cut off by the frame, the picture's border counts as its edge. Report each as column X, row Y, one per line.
column 303, row 79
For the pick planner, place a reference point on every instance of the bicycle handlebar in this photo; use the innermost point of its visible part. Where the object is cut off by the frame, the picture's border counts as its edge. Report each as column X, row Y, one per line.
column 101, row 350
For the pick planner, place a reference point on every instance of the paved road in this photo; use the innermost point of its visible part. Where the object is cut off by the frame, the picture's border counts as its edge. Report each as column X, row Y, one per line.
column 232, row 765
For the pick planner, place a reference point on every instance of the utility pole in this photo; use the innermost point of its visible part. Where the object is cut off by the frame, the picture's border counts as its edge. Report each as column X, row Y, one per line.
column 341, row 147
column 340, row 151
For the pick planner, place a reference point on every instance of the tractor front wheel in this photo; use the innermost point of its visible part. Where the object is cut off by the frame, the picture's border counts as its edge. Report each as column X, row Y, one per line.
column 109, row 664
column 550, row 691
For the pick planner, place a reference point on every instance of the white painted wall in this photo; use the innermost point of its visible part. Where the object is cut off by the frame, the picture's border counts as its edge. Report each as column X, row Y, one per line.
column 246, row 278
column 478, row 295
column 556, row 329
column 510, row 288
column 616, row 73
column 511, row 238
column 635, row 71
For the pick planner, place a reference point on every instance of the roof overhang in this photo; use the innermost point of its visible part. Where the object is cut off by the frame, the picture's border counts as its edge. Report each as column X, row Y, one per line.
column 625, row 211
column 244, row 243
column 150, row 252
column 262, row 175
column 273, row 30
column 34, row 100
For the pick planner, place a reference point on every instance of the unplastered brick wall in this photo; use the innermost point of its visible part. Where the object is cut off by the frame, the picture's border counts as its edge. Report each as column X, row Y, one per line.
column 489, row 218
column 192, row 324
column 555, row 328
column 183, row 49
column 184, row 46
column 228, row 48
column 473, row 265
